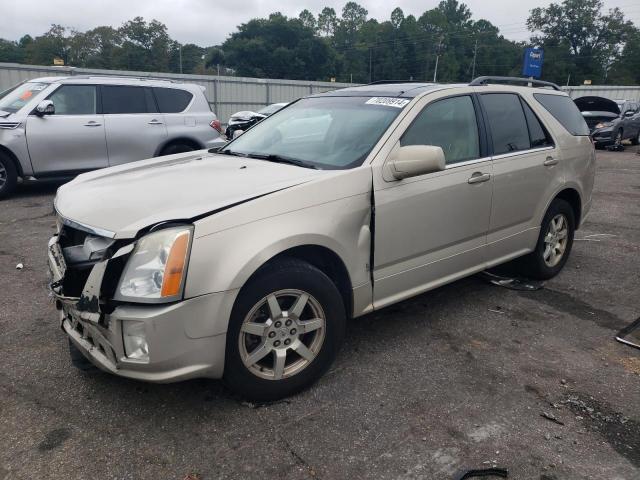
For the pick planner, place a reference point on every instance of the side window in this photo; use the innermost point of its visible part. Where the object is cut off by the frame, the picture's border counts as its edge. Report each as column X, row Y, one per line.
column 121, row 99
column 537, row 133
column 564, row 111
column 509, row 131
column 449, row 123
column 172, row 100
column 74, row 100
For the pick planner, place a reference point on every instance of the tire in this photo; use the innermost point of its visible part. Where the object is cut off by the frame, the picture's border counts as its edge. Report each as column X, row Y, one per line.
column 617, row 140
column 286, row 282
column 536, row 265
column 79, row 361
column 177, row 148
column 636, row 140
column 8, row 177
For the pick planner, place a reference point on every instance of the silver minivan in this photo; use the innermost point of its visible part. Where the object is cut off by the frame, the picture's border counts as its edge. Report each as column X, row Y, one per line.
column 61, row 126
column 245, row 263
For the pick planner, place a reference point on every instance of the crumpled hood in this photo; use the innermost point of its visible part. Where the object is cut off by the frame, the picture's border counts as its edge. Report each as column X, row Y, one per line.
column 128, row 198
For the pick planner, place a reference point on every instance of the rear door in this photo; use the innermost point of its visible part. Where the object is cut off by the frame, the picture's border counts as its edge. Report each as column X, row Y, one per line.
column 527, row 172
column 134, row 128
column 72, row 139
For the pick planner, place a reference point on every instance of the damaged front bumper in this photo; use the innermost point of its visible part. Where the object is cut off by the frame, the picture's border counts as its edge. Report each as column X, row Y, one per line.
column 174, row 352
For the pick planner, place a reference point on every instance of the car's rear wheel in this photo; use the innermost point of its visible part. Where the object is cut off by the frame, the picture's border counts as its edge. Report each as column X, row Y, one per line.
column 285, row 330
column 554, row 243
column 8, row 176
column 177, row 148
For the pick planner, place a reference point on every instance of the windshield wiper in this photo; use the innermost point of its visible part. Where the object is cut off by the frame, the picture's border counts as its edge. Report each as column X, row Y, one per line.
column 282, row 159
column 231, row 152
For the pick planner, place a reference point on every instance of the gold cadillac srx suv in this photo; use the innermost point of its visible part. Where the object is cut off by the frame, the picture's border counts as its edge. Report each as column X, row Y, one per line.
column 244, row 263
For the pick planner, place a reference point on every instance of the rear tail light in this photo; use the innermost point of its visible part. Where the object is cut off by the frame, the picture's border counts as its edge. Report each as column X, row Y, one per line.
column 216, row 125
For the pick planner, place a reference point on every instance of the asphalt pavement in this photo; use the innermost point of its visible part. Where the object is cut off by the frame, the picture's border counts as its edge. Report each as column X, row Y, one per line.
column 468, row 375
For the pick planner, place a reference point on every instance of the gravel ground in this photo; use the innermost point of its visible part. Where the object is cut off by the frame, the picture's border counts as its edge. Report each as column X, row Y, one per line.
column 458, row 377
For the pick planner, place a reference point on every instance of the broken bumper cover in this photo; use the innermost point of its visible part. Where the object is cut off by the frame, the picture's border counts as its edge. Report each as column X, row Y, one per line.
column 178, row 348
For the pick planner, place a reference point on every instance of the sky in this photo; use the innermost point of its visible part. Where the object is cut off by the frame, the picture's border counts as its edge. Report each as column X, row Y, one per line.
column 209, row 22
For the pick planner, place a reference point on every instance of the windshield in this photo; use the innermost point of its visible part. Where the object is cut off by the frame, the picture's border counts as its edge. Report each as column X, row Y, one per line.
column 321, row 132
column 17, row 98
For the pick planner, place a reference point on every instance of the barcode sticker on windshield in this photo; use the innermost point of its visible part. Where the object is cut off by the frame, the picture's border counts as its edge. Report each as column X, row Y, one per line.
column 388, row 101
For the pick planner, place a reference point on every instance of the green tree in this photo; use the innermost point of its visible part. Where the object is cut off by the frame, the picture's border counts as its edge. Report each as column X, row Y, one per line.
column 578, row 31
column 308, row 19
column 327, row 21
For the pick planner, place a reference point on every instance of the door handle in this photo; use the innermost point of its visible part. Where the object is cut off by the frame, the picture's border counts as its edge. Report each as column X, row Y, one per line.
column 550, row 162
column 92, row 124
column 155, row 122
column 479, row 177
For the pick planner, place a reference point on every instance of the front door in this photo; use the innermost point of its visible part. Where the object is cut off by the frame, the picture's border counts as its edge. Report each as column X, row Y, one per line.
column 72, row 139
column 135, row 130
column 432, row 228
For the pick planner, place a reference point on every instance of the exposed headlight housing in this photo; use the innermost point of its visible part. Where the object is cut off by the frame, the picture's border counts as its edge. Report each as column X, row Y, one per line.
column 604, row 124
column 157, row 267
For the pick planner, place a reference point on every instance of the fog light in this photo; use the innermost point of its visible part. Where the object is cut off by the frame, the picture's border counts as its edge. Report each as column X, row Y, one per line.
column 135, row 340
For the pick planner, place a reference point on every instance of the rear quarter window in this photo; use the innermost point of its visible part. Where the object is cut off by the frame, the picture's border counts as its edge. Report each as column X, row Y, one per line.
column 564, row 111
column 172, row 100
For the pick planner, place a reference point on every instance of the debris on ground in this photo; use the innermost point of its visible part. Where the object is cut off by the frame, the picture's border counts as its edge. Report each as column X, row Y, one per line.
column 19, row 266
column 552, row 417
column 513, row 283
column 630, row 335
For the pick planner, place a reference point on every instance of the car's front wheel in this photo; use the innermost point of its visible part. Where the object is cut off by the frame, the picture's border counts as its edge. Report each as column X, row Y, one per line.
column 554, row 242
column 285, row 330
column 636, row 139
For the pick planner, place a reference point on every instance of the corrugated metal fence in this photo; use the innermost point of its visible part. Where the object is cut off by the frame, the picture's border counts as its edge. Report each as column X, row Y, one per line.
column 608, row 91
column 226, row 95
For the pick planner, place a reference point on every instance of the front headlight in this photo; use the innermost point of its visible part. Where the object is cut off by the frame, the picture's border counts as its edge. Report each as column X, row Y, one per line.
column 156, row 269
column 604, row 124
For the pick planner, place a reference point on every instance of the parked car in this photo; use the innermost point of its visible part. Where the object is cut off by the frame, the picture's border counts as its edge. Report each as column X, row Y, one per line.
column 245, row 264
column 611, row 121
column 60, row 126
column 246, row 119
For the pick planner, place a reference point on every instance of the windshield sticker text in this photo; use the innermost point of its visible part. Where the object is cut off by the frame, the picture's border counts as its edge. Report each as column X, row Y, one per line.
column 388, row 101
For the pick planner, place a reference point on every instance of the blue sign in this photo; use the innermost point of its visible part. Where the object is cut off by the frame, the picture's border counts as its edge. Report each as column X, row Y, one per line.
column 532, row 66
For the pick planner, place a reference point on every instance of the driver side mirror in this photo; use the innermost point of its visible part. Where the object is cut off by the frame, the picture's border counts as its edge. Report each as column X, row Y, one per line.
column 629, row 113
column 45, row 107
column 414, row 160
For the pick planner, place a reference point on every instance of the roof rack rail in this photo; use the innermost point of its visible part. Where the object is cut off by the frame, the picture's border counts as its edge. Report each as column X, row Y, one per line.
column 535, row 83
column 123, row 77
column 391, row 82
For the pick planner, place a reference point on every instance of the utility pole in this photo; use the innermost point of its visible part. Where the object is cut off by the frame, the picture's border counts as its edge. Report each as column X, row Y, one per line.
column 180, row 54
column 475, row 52
column 370, row 69
column 435, row 71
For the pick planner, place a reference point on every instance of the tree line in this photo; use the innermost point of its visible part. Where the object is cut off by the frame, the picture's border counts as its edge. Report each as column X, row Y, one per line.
column 581, row 42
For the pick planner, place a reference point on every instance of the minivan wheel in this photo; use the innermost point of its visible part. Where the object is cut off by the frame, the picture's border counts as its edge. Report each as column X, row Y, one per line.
column 176, row 148
column 554, row 243
column 285, row 330
column 8, row 177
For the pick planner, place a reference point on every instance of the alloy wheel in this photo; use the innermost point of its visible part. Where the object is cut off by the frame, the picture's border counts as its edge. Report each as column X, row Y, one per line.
column 282, row 334
column 555, row 240
column 618, row 140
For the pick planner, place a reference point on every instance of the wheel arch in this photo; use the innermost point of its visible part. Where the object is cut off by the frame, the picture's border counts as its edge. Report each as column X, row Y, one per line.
column 324, row 259
column 573, row 198
column 11, row 156
column 182, row 139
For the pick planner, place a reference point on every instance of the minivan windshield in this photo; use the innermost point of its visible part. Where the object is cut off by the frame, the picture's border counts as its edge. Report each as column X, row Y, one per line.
column 17, row 98
column 320, row 132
